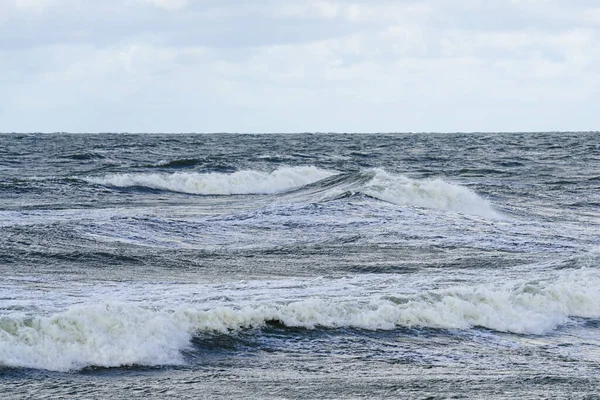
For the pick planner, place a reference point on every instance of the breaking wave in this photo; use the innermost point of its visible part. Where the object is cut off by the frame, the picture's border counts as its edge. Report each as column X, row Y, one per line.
column 428, row 193
column 241, row 182
column 312, row 181
column 118, row 334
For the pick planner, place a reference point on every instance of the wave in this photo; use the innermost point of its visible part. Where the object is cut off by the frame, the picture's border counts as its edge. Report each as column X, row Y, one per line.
column 428, row 193
column 241, row 182
column 400, row 190
column 118, row 334
column 313, row 184
column 179, row 163
column 206, row 164
column 84, row 156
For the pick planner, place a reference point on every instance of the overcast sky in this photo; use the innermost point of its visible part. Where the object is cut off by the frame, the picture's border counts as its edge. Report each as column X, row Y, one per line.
column 294, row 66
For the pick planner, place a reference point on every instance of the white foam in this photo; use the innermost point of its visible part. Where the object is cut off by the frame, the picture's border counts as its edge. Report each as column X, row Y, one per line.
column 102, row 335
column 242, row 182
column 126, row 333
column 428, row 193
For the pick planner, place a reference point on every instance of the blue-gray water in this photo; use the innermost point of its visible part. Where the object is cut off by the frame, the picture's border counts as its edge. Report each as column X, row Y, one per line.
column 300, row 266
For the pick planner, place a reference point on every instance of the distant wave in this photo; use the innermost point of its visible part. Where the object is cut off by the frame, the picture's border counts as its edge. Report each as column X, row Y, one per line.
column 179, row 163
column 111, row 335
column 312, row 181
column 84, row 156
column 241, row 182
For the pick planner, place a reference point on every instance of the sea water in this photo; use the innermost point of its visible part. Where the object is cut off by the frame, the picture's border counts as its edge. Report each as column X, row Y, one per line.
column 300, row 265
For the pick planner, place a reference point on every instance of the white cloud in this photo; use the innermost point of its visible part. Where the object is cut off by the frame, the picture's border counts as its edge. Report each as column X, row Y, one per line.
column 294, row 65
column 592, row 15
column 34, row 6
column 170, row 5
column 354, row 11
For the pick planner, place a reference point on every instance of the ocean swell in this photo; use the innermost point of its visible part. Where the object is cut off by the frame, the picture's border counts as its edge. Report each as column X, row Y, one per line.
column 117, row 334
column 319, row 184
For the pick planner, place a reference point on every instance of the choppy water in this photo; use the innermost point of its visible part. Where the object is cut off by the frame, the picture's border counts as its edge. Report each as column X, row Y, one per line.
column 300, row 266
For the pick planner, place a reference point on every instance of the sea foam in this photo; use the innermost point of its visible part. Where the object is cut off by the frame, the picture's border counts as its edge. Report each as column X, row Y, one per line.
column 116, row 334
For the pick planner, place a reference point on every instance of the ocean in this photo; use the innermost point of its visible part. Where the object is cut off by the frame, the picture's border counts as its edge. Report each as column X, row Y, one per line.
column 301, row 266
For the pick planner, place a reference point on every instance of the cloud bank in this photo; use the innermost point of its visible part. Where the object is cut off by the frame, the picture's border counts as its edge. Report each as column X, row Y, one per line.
column 290, row 65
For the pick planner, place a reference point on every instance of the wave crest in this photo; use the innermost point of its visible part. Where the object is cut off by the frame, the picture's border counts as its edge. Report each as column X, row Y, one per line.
column 428, row 193
column 124, row 334
column 241, row 182
column 314, row 184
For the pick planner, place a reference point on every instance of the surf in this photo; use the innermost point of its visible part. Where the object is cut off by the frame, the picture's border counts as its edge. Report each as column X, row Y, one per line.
column 119, row 333
column 309, row 184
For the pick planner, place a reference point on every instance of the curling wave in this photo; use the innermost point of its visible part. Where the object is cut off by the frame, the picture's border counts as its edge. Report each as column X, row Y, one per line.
column 241, row 182
column 428, row 193
column 120, row 334
column 400, row 190
column 312, row 183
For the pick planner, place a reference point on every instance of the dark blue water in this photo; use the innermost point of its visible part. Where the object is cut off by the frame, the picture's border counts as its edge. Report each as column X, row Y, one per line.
column 299, row 266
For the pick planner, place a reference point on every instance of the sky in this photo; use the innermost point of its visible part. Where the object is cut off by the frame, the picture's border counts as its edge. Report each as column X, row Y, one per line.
column 299, row 66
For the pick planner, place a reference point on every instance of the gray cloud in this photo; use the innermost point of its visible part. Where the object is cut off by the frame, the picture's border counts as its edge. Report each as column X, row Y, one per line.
column 185, row 65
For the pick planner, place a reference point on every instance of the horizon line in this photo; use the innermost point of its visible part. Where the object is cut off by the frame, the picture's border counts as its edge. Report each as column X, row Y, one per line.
column 286, row 133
